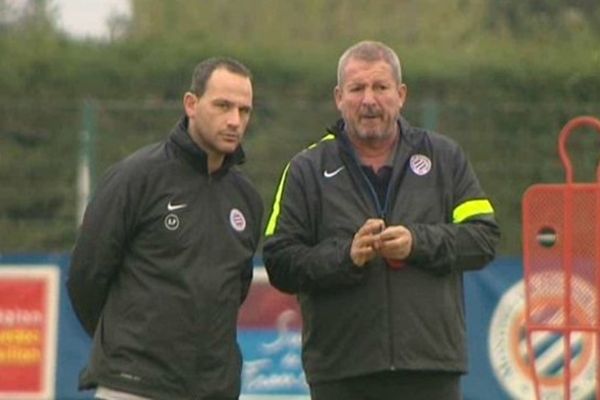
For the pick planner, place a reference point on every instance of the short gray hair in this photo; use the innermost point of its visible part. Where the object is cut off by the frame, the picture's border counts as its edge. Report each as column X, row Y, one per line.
column 370, row 51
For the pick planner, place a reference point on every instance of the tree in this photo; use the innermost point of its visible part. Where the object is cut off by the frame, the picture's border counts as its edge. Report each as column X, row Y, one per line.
column 29, row 14
column 526, row 17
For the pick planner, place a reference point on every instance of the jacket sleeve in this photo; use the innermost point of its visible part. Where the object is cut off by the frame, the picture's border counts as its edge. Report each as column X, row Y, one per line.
column 468, row 240
column 246, row 278
column 99, row 249
column 248, row 270
column 294, row 259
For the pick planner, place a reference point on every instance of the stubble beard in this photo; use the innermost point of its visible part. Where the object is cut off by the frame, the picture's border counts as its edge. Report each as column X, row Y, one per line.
column 371, row 135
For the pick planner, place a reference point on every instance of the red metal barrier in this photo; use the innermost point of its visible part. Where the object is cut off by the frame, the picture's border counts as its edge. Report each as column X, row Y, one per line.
column 561, row 250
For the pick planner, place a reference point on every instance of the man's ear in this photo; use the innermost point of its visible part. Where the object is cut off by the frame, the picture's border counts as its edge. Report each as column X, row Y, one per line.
column 189, row 103
column 337, row 96
column 403, row 93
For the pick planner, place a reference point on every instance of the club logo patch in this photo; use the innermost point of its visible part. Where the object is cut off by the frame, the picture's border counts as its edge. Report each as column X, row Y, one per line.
column 420, row 164
column 237, row 220
column 172, row 222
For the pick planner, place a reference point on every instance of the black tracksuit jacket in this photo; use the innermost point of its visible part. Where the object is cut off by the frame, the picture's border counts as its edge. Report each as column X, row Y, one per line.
column 358, row 321
column 161, row 266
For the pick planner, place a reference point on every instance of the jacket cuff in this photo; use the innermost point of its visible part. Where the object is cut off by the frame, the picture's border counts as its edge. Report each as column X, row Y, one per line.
column 347, row 263
column 417, row 255
column 424, row 254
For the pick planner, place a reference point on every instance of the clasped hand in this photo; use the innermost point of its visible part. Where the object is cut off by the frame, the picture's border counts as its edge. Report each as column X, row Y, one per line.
column 374, row 238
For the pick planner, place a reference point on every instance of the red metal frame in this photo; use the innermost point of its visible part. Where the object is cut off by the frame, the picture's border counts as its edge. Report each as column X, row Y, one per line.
column 567, row 193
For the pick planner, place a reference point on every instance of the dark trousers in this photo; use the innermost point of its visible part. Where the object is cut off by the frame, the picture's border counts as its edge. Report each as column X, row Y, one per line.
column 392, row 385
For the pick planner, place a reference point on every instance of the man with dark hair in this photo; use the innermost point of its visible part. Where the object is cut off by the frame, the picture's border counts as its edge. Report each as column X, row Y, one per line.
column 163, row 259
column 372, row 228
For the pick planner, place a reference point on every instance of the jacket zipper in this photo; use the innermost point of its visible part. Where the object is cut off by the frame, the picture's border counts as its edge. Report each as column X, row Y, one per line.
column 381, row 212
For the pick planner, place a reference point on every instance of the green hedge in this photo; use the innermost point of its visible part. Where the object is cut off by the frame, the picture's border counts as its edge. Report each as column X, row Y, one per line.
column 505, row 102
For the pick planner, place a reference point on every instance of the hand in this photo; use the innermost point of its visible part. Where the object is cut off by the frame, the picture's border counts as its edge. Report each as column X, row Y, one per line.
column 365, row 243
column 395, row 243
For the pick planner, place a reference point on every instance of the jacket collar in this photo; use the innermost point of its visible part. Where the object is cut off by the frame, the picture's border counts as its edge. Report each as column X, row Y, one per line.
column 406, row 146
column 408, row 137
column 196, row 156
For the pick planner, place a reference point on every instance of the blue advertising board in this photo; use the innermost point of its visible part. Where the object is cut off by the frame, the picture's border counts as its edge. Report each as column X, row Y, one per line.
column 269, row 335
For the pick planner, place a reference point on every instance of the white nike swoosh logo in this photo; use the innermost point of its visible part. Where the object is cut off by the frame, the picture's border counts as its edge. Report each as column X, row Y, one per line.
column 328, row 174
column 173, row 207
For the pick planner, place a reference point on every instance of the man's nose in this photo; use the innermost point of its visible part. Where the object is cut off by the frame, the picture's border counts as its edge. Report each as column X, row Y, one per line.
column 234, row 118
column 368, row 97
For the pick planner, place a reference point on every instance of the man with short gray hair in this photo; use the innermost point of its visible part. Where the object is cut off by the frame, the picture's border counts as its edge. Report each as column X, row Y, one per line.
column 372, row 228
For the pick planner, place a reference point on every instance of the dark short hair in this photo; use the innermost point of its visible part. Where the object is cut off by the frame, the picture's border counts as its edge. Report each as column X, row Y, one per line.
column 204, row 70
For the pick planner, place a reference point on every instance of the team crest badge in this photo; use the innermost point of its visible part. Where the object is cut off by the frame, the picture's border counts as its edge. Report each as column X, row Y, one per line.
column 420, row 164
column 237, row 220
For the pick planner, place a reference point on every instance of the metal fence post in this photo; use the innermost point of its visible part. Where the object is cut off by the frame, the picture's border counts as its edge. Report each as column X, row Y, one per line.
column 86, row 170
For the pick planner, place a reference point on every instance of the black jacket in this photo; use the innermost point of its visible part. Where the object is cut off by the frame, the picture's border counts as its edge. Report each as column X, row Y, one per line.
column 363, row 320
column 161, row 265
